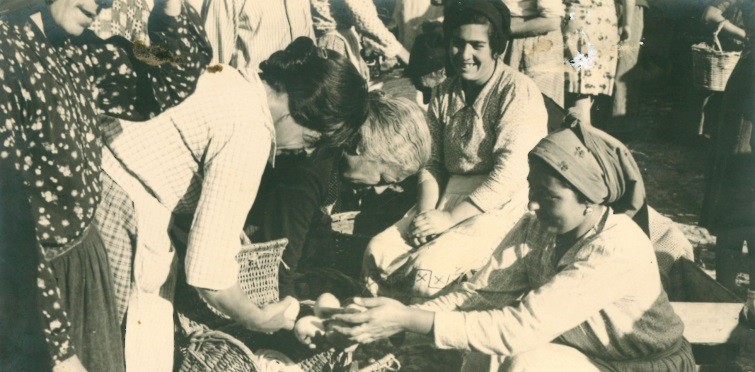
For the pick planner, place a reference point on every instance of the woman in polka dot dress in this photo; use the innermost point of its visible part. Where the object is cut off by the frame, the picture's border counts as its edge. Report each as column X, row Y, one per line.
column 56, row 77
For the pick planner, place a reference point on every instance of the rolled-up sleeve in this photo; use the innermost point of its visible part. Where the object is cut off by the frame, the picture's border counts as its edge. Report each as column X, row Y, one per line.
column 369, row 25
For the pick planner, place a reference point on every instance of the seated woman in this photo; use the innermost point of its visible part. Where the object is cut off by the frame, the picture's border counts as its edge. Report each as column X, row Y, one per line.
column 300, row 190
column 483, row 121
column 561, row 291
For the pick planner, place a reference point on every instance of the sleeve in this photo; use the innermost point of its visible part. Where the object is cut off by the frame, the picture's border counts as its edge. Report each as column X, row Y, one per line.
column 18, row 245
column 551, row 8
column 499, row 283
column 597, row 277
column 287, row 210
column 434, row 167
column 522, row 124
column 370, row 26
column 234, row 163
column 222, row 25
column 136, row 82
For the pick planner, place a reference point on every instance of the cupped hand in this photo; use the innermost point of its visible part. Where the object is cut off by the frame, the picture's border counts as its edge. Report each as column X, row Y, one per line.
column 383, row 318
column 279, row 315
column 429, row 223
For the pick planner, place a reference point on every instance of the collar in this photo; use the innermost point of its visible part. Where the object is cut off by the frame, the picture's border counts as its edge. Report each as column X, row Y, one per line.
column 458, row 98
column 589, row 235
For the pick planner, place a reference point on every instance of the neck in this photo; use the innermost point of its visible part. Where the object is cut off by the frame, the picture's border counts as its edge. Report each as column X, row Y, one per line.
column 472, row 89
column 570, row 237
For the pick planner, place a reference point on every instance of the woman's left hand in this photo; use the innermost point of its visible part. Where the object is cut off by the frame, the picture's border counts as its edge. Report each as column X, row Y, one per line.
column 383, row 318
column 432, row 222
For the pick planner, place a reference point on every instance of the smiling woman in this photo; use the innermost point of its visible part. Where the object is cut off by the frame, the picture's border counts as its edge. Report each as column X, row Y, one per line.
column 483, row 121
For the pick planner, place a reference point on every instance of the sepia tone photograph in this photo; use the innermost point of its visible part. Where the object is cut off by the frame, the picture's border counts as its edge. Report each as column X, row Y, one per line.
column 377, row 185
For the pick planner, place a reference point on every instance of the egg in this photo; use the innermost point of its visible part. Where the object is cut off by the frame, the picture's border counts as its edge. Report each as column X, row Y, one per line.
column 324, row 302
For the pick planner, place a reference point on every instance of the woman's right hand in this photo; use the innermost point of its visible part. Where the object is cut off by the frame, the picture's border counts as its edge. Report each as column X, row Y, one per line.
column 276, row 316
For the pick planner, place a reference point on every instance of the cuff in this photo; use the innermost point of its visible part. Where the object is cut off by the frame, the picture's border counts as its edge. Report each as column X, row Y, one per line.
column 450, row 330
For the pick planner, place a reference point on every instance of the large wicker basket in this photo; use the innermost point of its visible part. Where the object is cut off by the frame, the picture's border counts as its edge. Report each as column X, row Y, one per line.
column 711, row 66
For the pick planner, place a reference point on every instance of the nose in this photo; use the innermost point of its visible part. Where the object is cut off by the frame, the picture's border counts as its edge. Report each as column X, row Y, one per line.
column 533, row 206
column 466, row 53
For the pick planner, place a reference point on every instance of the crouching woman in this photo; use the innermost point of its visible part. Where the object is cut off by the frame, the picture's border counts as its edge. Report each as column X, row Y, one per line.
column 572, row 287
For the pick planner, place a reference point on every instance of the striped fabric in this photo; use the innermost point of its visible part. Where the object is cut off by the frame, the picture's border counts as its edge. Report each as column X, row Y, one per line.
column 244, row 33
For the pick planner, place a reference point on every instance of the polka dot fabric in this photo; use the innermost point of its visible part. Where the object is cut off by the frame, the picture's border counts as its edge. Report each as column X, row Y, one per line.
column 53, row 91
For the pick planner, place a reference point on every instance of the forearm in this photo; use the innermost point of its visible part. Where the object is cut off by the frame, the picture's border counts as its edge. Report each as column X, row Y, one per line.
column 464, row 210
column 428, row 193
column 534, row 27
column 234, row 303
column 418, row 321
column 628, row 12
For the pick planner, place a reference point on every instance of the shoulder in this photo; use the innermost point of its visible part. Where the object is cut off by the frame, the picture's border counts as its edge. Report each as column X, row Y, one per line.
column 622, row 237
column 515, row 84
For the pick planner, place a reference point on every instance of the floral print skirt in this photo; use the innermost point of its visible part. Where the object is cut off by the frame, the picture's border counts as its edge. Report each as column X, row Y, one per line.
column 593, row 70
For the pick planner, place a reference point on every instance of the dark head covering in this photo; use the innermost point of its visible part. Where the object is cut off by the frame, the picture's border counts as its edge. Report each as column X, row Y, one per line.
column 494, row 10
column 428, row 52
column 597, row 165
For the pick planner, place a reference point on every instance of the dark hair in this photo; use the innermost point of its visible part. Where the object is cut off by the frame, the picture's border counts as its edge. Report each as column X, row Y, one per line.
column 492, row 13
column 325, row 91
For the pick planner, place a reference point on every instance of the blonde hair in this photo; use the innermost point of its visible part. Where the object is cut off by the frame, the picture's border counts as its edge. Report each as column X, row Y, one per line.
column 395, row 133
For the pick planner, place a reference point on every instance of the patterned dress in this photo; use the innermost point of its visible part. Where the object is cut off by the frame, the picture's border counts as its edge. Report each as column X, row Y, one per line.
column 52, row 90
column 597, row 40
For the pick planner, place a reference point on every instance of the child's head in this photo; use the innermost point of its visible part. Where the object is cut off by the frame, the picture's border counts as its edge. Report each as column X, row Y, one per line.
column 426, row 68
column 394, row 142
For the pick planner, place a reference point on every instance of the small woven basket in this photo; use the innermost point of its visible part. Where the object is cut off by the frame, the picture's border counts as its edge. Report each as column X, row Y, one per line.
column 258, row 271
column 711, row 66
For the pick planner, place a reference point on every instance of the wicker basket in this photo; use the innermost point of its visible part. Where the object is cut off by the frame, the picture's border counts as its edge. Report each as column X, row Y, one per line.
column 204, row 350
column 711, row 66
column 258, row 271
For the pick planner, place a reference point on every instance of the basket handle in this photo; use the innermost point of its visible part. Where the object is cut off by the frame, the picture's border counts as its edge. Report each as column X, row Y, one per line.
column 716, row 41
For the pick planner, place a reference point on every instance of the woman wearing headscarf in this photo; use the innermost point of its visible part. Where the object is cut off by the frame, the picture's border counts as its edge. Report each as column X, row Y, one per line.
column 57, row 77
column 574, row 286
column 483, row 121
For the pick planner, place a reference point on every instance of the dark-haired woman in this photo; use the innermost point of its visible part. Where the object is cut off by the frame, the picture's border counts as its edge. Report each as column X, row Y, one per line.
column 573, row 287
column 57, row 77
column 483, row 121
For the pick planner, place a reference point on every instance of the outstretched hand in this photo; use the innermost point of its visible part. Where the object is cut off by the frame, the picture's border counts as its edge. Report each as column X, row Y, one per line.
column 383, row 318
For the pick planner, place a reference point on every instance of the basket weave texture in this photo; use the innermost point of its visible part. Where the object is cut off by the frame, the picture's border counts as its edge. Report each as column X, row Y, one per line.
column 258, row 271
column 711, row 67
column 204, row 350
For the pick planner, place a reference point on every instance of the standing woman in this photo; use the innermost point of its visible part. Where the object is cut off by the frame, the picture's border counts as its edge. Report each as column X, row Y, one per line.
column 591, row 34
column 483, row 121
column 729, row 204
column 57, row 77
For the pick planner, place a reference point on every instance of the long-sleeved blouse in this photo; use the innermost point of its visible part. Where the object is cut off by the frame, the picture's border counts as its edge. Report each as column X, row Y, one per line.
column 52, row 90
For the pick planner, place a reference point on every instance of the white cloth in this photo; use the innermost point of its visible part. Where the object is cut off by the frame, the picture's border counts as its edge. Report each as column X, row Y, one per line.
column 149, row 325
column 395, row 268
column 410, row 15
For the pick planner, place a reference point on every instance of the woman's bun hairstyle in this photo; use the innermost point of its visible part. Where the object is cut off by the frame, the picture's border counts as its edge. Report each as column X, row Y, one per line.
column 325, row 91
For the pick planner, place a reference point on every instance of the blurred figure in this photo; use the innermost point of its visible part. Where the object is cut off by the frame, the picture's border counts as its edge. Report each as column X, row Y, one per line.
column 411, row 15
column 244, row 33
column 729, row 204
column 537, row 45
column 341, row 25
column 626, row 92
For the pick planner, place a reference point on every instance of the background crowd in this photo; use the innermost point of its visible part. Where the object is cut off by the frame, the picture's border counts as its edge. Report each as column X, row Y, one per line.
column 141, row 138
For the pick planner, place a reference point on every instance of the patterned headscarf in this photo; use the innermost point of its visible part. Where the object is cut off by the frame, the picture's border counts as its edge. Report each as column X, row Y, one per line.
column 597, row 165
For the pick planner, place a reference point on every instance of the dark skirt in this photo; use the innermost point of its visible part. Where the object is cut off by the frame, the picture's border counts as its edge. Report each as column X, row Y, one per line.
column 730, row 189
column 677, row 358
column 83, row 276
